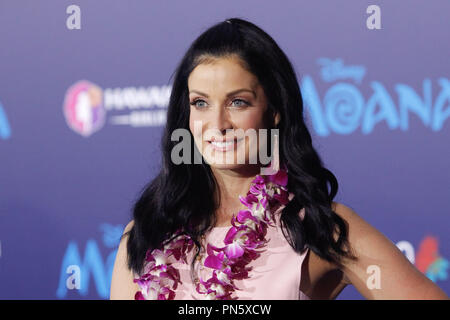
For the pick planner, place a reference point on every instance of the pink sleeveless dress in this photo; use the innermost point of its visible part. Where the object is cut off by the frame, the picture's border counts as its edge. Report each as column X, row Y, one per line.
column 275, row 275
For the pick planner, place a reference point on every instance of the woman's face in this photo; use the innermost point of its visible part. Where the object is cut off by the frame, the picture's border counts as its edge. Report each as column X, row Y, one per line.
column 226, row 104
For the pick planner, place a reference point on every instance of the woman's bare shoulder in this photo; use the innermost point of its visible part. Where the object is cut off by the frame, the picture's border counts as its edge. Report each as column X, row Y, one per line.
column 122, row 285
column 375, row 273
column 128, row 227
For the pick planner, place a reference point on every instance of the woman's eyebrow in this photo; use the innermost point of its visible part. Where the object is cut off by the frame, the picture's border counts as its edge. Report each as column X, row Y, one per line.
column 228, row 94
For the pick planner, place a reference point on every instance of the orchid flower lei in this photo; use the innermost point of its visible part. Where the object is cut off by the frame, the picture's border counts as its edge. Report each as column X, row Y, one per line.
column 243, row 242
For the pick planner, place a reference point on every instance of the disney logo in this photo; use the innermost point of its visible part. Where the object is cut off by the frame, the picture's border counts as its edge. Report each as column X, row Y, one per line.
column 334, row 69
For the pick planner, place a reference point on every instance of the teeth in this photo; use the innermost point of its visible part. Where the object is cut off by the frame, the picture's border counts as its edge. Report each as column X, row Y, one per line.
column 222, row 144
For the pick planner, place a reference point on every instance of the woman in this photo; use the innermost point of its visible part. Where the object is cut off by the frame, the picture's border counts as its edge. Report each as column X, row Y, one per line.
column 223, row 229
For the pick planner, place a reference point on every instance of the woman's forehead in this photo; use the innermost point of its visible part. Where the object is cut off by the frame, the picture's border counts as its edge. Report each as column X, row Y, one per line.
column 225, row 76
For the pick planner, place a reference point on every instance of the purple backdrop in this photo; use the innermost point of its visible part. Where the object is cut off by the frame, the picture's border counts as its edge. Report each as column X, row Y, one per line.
column 82, row 110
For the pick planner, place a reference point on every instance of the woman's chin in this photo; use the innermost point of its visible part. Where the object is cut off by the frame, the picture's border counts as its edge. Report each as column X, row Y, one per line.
column 224, row 165
column 221, row 164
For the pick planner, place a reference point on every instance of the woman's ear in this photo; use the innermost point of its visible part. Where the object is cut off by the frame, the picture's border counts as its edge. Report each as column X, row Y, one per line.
column 277, row 119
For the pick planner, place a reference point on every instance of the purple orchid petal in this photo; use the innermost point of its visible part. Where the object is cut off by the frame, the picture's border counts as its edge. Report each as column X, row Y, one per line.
column 234, row 250
column 221, row 255
column 282, row 198
column 259, row 179
column 248, row 200
column 255, row 190
column 264, row 202
column 171, row 295
column 213, row 262
column 139, row 296
column 243, row 215
column 230, row 235
column 210, row 249
column 280, row 178
column 161, row 297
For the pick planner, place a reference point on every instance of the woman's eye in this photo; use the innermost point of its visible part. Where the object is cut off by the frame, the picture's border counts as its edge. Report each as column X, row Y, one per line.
column 243, row 102
column 194, row 103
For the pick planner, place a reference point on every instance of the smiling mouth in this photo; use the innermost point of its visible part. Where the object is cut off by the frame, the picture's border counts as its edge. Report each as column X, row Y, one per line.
column 224, row 146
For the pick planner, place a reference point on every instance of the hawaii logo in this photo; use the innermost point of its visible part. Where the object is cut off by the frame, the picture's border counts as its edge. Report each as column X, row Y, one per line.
column 5, row 129
column 86, row 106
column 343, row 108
column 83, row 109
column 76, row 271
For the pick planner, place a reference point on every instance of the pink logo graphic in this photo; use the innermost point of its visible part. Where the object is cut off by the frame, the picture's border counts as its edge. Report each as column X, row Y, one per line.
column 83, row 108
column 429, row 261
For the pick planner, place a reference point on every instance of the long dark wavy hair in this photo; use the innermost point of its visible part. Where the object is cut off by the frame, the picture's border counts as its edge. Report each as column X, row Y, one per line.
column 183, row 195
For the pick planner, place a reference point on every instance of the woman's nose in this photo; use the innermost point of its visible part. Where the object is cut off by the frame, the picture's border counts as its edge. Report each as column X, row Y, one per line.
column 220, row 120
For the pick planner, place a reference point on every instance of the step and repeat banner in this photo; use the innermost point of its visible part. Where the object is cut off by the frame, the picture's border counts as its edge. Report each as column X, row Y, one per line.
column 84, row 88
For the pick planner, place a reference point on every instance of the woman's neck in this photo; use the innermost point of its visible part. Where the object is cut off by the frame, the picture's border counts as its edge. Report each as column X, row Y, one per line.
column 232, row 183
